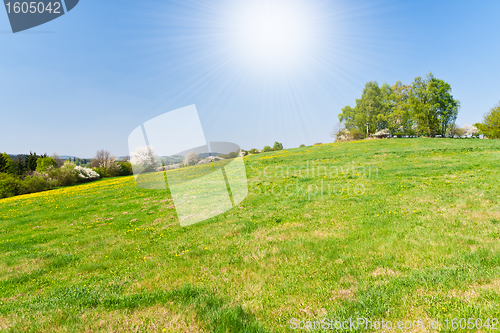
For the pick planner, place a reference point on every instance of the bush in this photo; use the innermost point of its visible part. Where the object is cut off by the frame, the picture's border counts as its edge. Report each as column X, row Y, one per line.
column 125, row 169
column 32, row 184
column 103, row 172
column 302, row 145
column 266, row 149
column 63, row 176
column 10, row 185
column 86, row 174
column 357, row 134
column 383, row 133
column 253, row 151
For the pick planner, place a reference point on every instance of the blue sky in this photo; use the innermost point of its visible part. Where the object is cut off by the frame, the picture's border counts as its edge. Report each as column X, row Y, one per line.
column 84, row 81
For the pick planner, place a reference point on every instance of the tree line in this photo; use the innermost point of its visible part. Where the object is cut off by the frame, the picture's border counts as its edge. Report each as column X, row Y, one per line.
column 34, row 173
column 426, row 107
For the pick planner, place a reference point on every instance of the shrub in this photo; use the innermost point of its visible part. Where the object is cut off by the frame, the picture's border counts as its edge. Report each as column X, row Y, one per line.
column 10, row 185
column 253, row 151
column 384, row 133
column 343, row 135
column 266, row 149
column 125, row 169
column 277, row 146
column 102, row 172
column 65, row 176
column 302, row 145
column 32, row 184
column 357, row 134
column 86, row 174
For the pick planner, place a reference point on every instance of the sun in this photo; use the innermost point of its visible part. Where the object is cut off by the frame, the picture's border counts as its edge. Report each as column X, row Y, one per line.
column 272, row 32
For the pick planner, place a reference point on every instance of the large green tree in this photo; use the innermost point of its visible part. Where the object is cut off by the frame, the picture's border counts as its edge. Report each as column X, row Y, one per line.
column 372, row 108
column 432, row 105
column 44, row 163
column 30, row 161
column 20, row 166
column 490, row 126
column 400, row 118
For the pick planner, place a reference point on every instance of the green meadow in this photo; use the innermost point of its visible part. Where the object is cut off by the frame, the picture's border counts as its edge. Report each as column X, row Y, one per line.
column 394, row 229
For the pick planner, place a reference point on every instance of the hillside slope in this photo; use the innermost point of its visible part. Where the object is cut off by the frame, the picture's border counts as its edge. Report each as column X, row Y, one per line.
column 400, row 229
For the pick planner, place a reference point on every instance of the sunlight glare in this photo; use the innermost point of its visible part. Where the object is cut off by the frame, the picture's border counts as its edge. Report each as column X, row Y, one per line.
column 272, row 32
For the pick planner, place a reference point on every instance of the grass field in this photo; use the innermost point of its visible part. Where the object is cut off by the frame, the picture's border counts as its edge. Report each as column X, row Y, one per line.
column 400, row 229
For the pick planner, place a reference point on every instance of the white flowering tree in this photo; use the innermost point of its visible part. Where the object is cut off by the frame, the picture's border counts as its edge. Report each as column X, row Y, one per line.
column 144, row 159
column 470, row 130
column 191, row 158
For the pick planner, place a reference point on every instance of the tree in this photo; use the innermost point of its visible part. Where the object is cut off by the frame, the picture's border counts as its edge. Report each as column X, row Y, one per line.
column 400, row 120
column 44, row 163
column 20, row 166
column 191, row 158
column 339, row 127
column 266, row 149
column 144, row 157
column 58, row 160
column 371, row 111
column 490, row 126
column 103, row 159
column 30, row 162
column 107, row 162
column 433, row 106
column 455, row 131
column 277, row 146
column 3, row 164
column 471, row 131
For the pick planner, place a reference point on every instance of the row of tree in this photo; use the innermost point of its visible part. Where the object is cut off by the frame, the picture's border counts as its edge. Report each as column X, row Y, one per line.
column 424, row 107
column 34, row 173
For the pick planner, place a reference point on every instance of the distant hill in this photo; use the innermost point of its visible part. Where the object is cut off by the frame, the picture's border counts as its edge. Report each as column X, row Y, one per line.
column 64, row 157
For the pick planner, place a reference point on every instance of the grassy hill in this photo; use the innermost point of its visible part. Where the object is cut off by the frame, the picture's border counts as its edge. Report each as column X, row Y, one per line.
column 400, row 229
